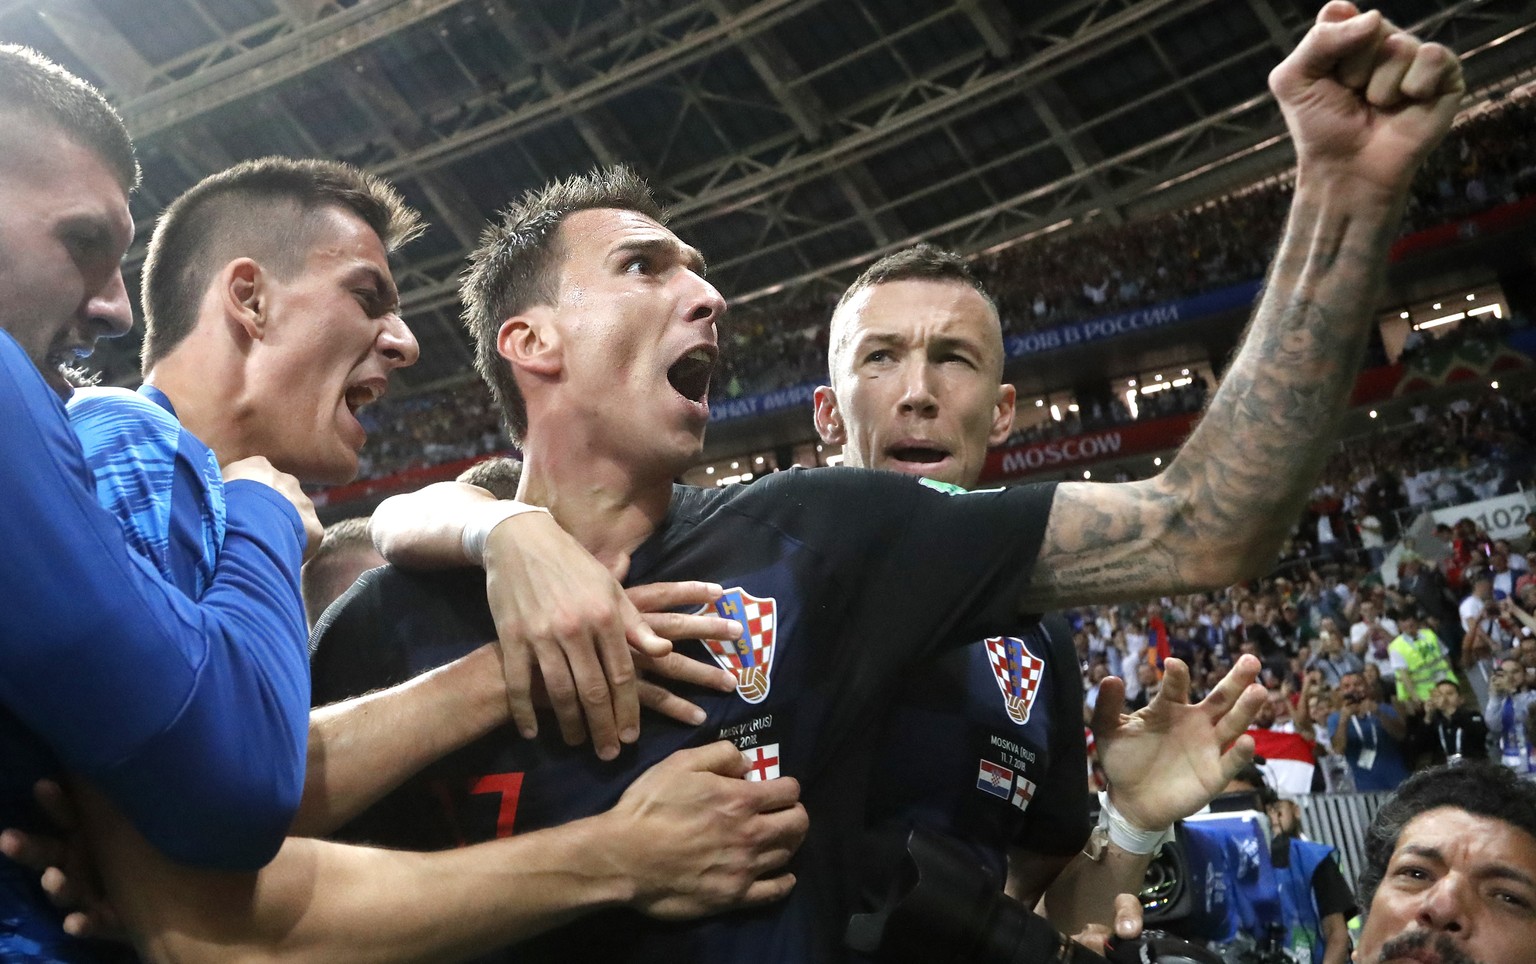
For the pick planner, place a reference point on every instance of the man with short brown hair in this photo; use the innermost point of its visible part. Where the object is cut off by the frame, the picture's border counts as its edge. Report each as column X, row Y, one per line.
column 107, row 670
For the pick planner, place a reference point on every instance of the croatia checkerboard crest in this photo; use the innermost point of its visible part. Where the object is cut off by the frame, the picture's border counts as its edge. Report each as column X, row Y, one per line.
column 749, row 658
column 1018, row 673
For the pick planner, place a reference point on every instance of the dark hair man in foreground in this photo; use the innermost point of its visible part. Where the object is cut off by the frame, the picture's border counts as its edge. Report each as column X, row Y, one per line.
column 1450, row 872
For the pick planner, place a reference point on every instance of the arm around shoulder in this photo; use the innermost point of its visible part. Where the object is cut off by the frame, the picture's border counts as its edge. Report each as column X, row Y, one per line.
column 113, row 618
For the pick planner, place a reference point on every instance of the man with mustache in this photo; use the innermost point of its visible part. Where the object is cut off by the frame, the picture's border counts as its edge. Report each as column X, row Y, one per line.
column 1450, row 874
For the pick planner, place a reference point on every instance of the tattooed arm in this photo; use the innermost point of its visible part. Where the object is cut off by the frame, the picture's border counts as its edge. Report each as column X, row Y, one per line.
column 1365, row 102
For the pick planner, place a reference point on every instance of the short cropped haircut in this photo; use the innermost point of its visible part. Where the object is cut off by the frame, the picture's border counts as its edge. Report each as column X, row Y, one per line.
column 921, row 262
column 264, row 209
column 499, row 476
column 34, row 86
column 322, row 575
column 515, row 267
column 1480, row 788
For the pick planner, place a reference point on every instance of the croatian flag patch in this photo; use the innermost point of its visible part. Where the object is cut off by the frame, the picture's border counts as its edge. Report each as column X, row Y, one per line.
column 994, row 779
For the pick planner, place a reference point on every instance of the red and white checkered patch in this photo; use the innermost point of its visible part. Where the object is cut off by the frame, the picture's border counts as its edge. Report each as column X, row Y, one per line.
column 750, row 658
column 1018, row 673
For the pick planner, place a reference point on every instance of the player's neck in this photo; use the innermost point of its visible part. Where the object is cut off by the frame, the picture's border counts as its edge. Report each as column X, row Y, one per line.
column 603, row 502
column 186, row 383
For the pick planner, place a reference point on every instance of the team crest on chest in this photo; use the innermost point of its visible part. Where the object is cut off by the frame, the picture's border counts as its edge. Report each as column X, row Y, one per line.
column 1018, row 673
column 749, row 658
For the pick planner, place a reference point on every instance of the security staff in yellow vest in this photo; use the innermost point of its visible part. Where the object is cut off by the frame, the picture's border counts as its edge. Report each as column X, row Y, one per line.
column 1419, row 659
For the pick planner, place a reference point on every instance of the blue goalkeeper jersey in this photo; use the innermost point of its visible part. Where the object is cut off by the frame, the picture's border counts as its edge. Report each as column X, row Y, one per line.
column 191, row 715
column 163, row 484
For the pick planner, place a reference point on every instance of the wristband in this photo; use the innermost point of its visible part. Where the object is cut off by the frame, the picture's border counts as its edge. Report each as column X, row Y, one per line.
column 1132, row 840
column 478, row 529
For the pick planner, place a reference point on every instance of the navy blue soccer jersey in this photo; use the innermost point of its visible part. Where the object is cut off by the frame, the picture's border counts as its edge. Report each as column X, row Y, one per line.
column 985, row 744
column 844, row 579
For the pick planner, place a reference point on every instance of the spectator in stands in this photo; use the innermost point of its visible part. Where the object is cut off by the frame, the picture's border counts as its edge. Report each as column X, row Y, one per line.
column 1427, row 590
column 1527, row 539
column 1479, row 615
column 1369, row 734
column 1371, row 634
column 1501, row 578
column 1450, row 871
column 1478, row 662
column 1510, row 699
column 1288, row 759
column 1453, row 732
column 345, row 553
column 1332, row 660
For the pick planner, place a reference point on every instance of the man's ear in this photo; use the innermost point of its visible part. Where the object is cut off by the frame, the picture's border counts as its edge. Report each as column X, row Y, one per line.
column 1002, row 415
column 829, row 421
column 530, row 342
column 242, row 290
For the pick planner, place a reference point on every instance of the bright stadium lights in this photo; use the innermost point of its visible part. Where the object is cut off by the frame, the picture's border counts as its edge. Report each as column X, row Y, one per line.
column 1087, row 474
column 1442, row 320
column 758, row 460
column 1494, row 385
column 1403, row 315
column 1471, row 297
column 1157, row 460
column 709, row 470
column 1373, row 413
column 1486, row 309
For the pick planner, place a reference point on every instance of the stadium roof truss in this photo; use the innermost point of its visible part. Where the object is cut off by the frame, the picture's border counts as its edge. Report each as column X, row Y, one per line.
column 793, row 139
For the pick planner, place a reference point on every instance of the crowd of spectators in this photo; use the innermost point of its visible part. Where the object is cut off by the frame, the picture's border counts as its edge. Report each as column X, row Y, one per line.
column 1186, row 396
column 1371, row 674
column 775, row 343
column 1488, row 160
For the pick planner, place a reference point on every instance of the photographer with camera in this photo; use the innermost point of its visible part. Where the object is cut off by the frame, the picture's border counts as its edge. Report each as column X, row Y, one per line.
column 1370, row 736
column 1453, row 732
column 1314, row 896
